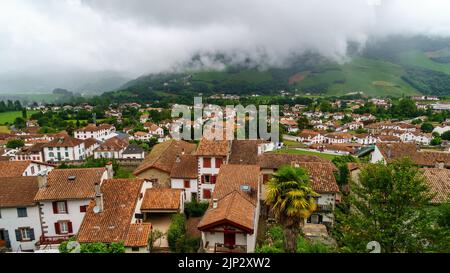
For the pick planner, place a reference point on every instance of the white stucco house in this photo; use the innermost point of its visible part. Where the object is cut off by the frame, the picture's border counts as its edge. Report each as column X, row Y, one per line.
column 100, row 132
column 64, row 148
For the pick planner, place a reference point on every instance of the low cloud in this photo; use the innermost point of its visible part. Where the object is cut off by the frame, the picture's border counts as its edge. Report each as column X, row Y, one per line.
column 137, row 37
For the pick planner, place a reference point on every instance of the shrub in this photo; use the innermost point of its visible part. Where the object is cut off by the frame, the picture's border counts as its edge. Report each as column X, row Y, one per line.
column 304, row 246
column 176, row 231
column 195, row 208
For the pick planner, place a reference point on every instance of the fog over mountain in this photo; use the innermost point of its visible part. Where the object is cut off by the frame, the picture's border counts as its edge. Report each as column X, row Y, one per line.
column 72, row 44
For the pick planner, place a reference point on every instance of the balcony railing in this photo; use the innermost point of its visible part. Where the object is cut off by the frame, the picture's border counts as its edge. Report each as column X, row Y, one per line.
column 222, row 248
column 53, row 240
column 324, row 208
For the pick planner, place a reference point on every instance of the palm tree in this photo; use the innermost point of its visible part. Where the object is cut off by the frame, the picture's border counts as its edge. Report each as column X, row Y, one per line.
column 291, row 199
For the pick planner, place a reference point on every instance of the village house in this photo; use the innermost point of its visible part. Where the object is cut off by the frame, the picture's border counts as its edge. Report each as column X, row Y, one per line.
column 90, row 145
column 442, row 129
column 230, row 224
column 324, row 183
column 364, row 139
column 353, row 126
column 63, row 197
column 113, row 216
column 34, row 153
column 338, row 137
column 112, row 148
column 64, row 148
column 184, row 175
column 154, row 129
column 20, row 226
column 291, row 124
column 211, row 155
column 310, row 137
column 100, row 132
column 142, row 136
column 158, row 164
column 133, row 151
column 23, row 168
column 420, row 138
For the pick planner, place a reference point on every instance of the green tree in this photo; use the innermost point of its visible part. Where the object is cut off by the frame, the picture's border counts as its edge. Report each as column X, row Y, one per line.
column 389, row 205
column 427, row 127
column 15, row 143
column 24, row 113
column 291, row 199
column 176, row 232
column 446, row 135
column 20, row 123
column 325, row 106
column 341, row 163
column 436, row 141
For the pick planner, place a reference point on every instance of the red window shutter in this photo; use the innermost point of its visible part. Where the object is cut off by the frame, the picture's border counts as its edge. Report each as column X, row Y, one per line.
column 83, row 208
column 219, row 162
column 69, row 226
column 203, row 179
column 187, row 183
column 207, row 194
column 67, row 208
column 57, row 229
column 213, row 179
column 55, row 207
column 207, row 162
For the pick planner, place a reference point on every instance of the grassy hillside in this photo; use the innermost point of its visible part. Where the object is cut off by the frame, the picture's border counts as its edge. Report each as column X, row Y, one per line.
column 9, row 117
column 395, row 67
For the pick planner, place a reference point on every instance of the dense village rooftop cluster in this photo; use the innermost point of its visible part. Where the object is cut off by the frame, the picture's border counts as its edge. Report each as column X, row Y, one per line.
column 47, row 196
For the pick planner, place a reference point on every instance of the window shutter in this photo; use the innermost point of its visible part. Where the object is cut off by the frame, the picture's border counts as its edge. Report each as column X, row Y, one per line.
column 213, row 179
column 55, row 207
column 57, row 229
column 69, row 226
column 32, row 234
column 8, row 242
column 67, row 208
column 203, row 179
column 18, row 235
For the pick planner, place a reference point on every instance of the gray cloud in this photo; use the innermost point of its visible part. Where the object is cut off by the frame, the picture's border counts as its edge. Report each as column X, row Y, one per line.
column 137, row 37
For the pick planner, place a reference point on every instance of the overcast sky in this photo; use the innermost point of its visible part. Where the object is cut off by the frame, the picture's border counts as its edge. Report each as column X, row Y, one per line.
column 136, row 37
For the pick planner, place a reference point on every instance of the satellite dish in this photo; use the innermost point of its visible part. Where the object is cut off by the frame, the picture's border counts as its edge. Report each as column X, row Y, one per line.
column 96, row 209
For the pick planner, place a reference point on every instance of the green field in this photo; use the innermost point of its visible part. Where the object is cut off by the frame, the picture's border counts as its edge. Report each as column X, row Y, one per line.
column 9, row 117
column 420, row 59
column 248, row 75
column 4, row 129
column 372, row 77
column 300, row 152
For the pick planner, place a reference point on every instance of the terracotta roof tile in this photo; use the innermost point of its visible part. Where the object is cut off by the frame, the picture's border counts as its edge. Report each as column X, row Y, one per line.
column 95, row 128
column 90, row 142
column 113, row 223
column 163, row 156
column 64, row 141
column 213, row 147
column 13, row 168
column 322, row 176
column 234, row 206
column 18, row 191
column 275, row 161
column 245, row 152
column 187, row 167
column 161, row 199
column 61, row 187
column 112, row 144
column 138, row 235
column 439, row 183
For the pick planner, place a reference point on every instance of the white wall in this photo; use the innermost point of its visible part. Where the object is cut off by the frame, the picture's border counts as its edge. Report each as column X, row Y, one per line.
column 376, row 156
column 34, row 168
column 10, row 221
column 177, row 183
column 73, row 153
column 74, row 215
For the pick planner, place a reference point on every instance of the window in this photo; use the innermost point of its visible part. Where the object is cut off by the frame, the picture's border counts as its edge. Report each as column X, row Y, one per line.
column 32, row 169
column 60, row 207
column 51, row 154
column 83, row 208
column 207, row 194
column 25, row 234
column 206, row 162
column 219, row 162
column 63, row 227
column 22, row 212
column 206, row 178
column 135, row 249
column 187, row 184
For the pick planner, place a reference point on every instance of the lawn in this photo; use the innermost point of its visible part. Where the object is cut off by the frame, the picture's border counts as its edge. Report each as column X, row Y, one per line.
column 4, row 129
column 11, row 116
column 301, row 152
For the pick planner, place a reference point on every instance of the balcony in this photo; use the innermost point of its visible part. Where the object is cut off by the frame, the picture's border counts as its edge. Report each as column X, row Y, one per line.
column 53, row 240
column 324, row 208
column 222, row 248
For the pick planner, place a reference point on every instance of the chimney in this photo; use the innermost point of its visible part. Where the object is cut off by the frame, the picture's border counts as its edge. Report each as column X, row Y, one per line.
column 42, row 181
column 215, row 203
column 178, row 159
column 98, row 199
column 182, row 152
column 109, row 170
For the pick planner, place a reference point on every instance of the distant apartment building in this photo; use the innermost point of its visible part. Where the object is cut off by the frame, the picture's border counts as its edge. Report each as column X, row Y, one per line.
column 100, row 132
column 64, row 148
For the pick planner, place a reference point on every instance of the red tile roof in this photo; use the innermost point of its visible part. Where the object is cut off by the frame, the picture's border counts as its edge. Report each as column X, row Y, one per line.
column 113, row 223
column 13, row 168
column 163, row 156
column 138, row 235
column 161, row 199
column 64, row 141
column 321, row 175
column 186, row 167
column 18, row 191
column 439, row 183
column 213, row 147
column 62, row 187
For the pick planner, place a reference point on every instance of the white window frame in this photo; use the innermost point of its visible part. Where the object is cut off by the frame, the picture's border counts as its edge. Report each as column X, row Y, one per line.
column 61, row 205
column 25, row 234
column 64, row 227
